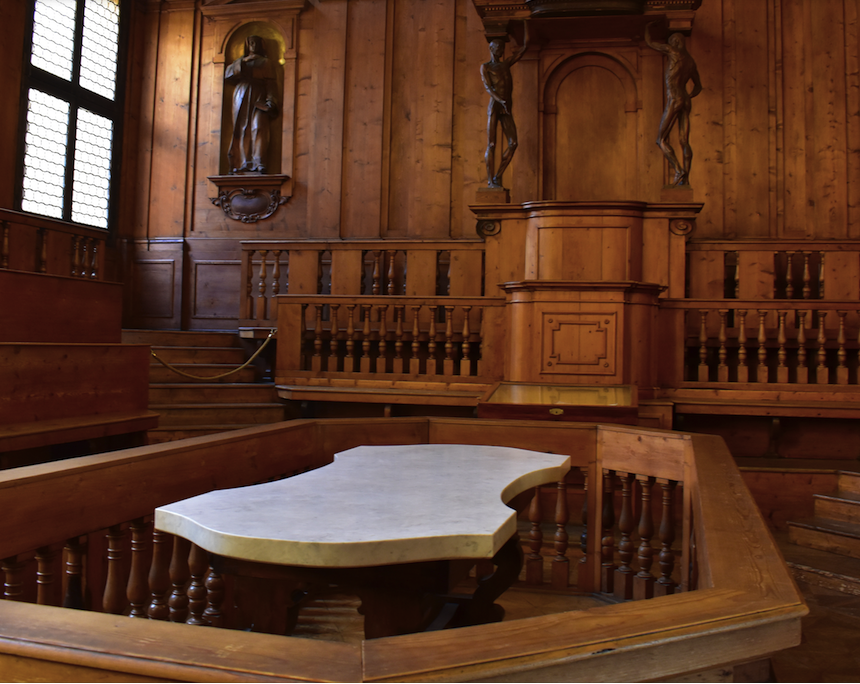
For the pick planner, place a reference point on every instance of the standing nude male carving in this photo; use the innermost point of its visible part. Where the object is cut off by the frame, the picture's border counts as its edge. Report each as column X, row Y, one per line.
column 679, row 71
column 496, row 76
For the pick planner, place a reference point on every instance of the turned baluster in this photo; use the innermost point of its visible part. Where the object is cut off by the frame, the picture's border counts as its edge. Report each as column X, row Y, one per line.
column 365, row 339
column 802, row 370
column 583, row 578
column 45, row 585
column 643, row 583
column 703, row 345
column 13, row 579
column 198, row 565
column 842, row 354
column 722, row 367
column 159, row 575
column 74, row 552
column 212, row 615
column 743, row 369
column 560, row 563
column 664, row 584
column 377, row 280
column 260, row 313
column 781, row 355
column 334, row 334
column 431, row 345
column 465, row 360
column 113, row 600
column 448, row 368
column 789, row 279
column 807, row 290
column 94, row 260
column 76, row 252
column 303, row 337
column 737, row 276
column 480, row 364
column 179, row 573
column 349, row 362
column 821, row 375
column 316, row 359
column 821, row 275
column 249, row 284
column 137, row 589
column 534, row 560
column 4, row 245
column 624, row 574
column 607, row 541
column 382, row 360
column 400, row 312
column 761, row 369
column 415, row 359
column 391, row 272
column 276, row 273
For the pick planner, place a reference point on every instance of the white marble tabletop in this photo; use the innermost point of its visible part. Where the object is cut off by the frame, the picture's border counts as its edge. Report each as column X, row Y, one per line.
column 374, row 505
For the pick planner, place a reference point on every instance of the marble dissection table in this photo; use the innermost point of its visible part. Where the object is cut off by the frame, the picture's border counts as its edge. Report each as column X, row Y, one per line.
column 399, row 526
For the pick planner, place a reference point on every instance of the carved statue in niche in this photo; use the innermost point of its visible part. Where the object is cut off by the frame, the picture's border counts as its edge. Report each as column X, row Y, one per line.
column 679, row 71
column 255, row 104
column 496, row 75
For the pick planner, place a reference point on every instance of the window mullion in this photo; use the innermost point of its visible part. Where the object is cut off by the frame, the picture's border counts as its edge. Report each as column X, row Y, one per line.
column 70, row 162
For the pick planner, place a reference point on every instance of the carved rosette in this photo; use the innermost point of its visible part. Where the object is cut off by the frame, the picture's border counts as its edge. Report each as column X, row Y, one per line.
column 249, row 197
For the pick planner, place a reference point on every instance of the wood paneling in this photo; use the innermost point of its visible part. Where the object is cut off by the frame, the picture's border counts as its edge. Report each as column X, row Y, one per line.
column 421, row 119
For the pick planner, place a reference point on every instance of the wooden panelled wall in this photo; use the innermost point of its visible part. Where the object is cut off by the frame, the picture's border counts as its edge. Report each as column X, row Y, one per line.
column 389, row 133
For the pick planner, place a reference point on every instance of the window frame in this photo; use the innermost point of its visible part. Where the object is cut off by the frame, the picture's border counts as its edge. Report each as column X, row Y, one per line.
column 78, row 97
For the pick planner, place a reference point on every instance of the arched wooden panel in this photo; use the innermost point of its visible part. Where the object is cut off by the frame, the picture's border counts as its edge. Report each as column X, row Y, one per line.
column 590, row 142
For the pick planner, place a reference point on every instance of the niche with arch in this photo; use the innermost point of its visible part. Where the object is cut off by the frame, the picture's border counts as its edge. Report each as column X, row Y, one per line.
column 590, row 148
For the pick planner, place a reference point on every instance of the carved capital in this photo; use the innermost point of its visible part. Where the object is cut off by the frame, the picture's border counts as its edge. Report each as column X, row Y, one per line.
column 682, row 226
column 485, row 228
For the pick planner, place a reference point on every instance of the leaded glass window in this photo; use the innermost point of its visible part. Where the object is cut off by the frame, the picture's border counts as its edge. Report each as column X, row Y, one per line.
column 73, row 110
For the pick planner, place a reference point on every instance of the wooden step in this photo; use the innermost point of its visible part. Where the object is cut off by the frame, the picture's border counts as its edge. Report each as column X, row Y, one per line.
column 202, row 372
column 231, row 355
column 218, row 414
column 824, row 534
column 849, row 482
column 843, row 506
column 181, row 338
column 199, row 393
column 820, row 568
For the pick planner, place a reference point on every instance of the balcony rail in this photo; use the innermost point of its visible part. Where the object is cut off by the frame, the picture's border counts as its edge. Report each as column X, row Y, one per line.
column 42, row 245
column 390, row 338
column 355, row 267
column 802, row 343
column 78, row 532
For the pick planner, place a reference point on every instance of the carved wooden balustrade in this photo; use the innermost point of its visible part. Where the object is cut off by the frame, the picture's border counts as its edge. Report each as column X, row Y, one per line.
column 42, row 245
column 355, row 267
column 79, row 529
column 773, row 269
column 327, row 338
column 805, row 344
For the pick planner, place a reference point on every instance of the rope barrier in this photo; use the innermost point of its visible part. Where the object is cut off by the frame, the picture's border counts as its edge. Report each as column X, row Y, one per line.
column 220, row 375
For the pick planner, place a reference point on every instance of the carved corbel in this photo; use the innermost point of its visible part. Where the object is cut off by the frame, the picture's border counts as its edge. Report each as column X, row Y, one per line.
column 249, row 198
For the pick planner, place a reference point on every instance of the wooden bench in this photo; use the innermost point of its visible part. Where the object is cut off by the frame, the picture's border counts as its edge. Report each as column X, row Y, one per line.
column 56, row 394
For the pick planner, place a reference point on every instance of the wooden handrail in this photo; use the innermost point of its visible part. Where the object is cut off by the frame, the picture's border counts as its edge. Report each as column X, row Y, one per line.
column 745, row 608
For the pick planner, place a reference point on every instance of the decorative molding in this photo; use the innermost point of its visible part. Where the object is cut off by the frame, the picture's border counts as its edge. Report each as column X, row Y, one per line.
column 249, row 197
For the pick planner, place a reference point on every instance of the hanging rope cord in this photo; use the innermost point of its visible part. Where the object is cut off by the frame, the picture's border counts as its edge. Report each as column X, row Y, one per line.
column 220, row 375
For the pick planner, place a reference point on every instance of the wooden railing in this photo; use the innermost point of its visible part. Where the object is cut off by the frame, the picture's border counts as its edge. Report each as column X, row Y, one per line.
column 390, row 338
column 43, row 245
column 773, row 269
column 355, row 267
column 67, row 521
column 767, row 342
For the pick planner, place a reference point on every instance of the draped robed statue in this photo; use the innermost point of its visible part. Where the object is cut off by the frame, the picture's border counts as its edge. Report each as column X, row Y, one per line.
column 255, row 104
